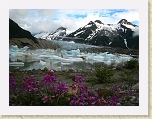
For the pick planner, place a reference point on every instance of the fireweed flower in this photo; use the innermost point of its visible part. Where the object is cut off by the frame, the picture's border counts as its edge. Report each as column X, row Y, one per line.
column 46, row 99
column 31, row 85
column 92, row 100
column 78, row 100
column 101, row 101
column 83, row 89
column 61, row 87
column 48, row 79
column 52, row 87
column 51, row 73
column 12, row 82
column 24, row 86
column 12, row 85
column 79, row 79
column 116, row 88
column 74, row 86
column 114, row 101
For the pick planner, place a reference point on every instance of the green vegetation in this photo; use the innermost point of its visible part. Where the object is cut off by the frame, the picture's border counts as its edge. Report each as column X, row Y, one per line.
column 132, row 64
column 103, row 74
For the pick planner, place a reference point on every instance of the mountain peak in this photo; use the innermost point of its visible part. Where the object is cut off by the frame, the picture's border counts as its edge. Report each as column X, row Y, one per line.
column 90, row 23
column 98, row 21
column 61, row 28
column 123, row 21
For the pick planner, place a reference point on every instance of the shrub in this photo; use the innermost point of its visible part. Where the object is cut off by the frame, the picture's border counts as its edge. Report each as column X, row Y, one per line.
column 45, row 69
column 103, row 74
column 132, row 64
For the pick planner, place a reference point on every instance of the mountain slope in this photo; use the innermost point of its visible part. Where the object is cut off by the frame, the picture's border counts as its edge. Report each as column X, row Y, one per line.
column 21, row 38
column 124, row 34
column 15, row 31
column 113, row 35
column 56, row 35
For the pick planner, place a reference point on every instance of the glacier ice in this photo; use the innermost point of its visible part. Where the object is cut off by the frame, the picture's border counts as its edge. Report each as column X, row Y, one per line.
column 14, row 48
column 42, row 62
column 16, row 64
column 60, row 59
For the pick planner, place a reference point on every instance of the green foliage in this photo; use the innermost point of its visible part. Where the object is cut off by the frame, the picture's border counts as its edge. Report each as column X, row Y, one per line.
column 132, row 64
column 103, row 74
column 45, row 69
column 129, row 76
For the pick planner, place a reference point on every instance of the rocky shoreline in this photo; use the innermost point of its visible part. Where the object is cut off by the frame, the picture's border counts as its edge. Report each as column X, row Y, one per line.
column 112, row 50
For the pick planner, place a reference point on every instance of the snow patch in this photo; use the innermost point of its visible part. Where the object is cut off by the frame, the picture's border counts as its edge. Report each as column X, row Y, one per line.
column 125, row 43
column 89, row 25
column 110, row 43
column 129, row 26
column 78, row 33
column 42, row 35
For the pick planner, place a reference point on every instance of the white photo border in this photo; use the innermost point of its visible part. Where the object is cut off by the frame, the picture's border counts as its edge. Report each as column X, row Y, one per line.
column 142, row 109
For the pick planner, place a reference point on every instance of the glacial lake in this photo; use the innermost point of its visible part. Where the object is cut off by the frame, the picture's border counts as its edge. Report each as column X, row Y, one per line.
column 62, row 59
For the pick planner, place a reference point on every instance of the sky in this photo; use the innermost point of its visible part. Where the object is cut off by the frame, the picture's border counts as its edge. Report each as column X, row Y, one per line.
column 48, row 20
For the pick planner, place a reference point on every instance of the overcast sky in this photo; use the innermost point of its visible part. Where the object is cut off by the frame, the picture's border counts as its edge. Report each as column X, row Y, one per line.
column 38, row 20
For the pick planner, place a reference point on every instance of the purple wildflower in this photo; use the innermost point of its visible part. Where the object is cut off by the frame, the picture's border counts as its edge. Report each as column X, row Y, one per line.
column 78, row 100
column 51, row 73
column 31, row 85
column 48, row 79
column 48, row 99
column 116, row 88
column 74, row 86
column 12, row 82
column 61, row 87
column 114, row 101
column 79, row 79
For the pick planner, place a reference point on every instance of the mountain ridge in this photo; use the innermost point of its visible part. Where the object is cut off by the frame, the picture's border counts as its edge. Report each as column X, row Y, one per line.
column 124, row 34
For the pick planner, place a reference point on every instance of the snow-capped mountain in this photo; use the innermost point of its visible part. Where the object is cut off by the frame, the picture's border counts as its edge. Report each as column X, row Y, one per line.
column 58, row 34
column 123, row 34
column 42, row 35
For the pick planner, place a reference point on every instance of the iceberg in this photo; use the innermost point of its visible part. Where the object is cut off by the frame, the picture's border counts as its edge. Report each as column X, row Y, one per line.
column 59, row 59
column 42, row 62
column 16, row 64
column 24, row 49
column 14, row 48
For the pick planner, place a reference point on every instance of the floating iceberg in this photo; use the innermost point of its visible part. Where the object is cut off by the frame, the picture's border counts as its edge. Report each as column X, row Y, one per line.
column 24, row 49
column 16, row 64
column 16, row 49
column 42, row 62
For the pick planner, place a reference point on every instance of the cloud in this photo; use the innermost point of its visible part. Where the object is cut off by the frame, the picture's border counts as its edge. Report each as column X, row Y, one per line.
column 130, row 15
column 136, row 32
column 38, row 20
